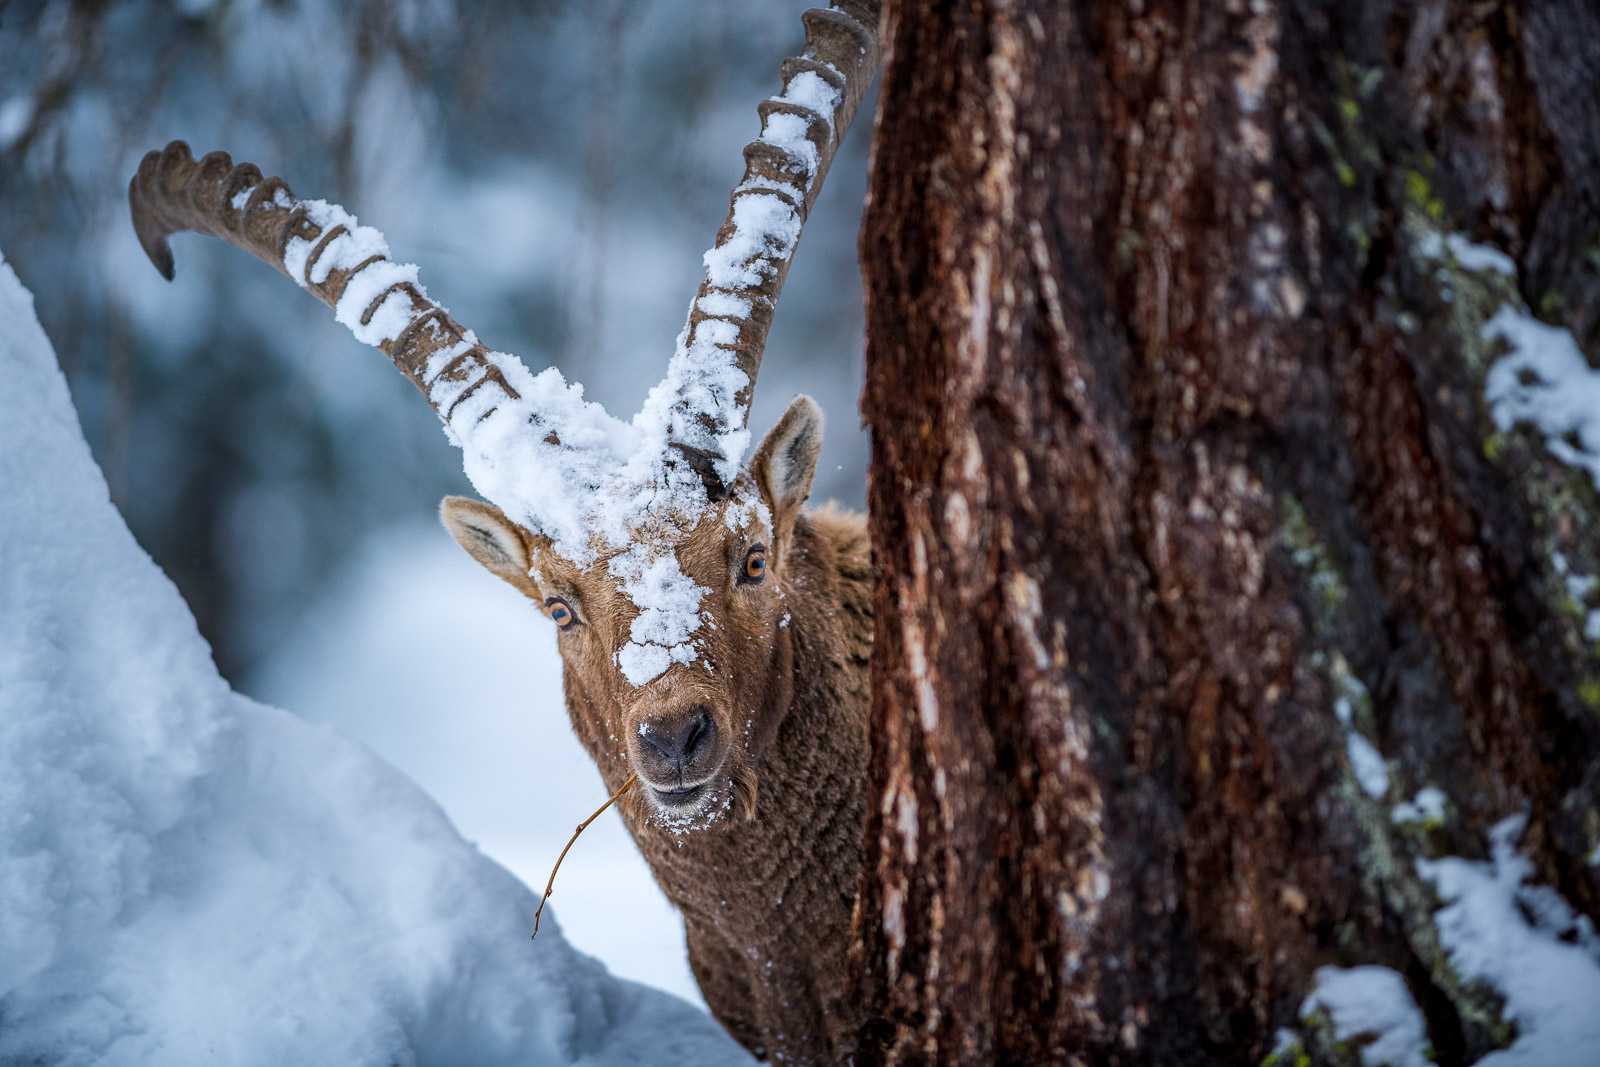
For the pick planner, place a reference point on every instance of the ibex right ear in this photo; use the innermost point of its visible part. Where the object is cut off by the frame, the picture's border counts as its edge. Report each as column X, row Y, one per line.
column 786, row 460
column 489, row 537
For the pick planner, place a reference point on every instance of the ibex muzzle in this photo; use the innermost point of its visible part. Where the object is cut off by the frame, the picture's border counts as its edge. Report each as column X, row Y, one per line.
column 713, row 636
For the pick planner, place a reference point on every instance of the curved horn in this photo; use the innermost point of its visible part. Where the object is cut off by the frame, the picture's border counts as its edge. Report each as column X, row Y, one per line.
column 801, row 130
column 322, row 248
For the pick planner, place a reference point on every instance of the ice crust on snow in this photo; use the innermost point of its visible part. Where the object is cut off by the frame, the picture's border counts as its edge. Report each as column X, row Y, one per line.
column 190, row 877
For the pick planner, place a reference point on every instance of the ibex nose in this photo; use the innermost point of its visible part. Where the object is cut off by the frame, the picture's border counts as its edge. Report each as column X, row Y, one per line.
column 671, row 744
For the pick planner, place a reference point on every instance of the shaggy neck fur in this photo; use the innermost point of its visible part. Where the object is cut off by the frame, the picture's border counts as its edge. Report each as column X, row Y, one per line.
column 768, row 901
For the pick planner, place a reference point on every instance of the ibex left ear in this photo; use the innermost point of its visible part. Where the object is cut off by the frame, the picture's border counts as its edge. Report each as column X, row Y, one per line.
column 490, row 538
column 784, row 464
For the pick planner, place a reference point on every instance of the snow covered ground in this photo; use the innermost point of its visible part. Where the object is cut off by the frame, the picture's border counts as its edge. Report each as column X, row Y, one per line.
column 189, row 877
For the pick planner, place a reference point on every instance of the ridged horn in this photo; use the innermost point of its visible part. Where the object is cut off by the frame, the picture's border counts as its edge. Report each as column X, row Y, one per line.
column 322, row 249
column 801, row 130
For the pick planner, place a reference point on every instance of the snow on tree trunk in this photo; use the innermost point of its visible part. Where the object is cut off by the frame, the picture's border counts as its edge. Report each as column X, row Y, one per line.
column 1235, row 524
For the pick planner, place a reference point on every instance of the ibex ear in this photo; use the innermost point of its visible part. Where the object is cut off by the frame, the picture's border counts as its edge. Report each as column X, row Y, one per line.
column 489, row 537
column 785, row 462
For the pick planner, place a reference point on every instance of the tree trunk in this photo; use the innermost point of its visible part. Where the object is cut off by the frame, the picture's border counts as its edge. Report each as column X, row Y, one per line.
column 1188, row 502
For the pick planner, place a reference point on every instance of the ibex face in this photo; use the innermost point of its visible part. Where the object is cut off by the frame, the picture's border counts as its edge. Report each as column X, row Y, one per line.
column 694, row 732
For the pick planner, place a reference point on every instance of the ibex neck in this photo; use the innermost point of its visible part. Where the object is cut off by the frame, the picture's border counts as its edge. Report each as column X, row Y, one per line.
column 767, row 903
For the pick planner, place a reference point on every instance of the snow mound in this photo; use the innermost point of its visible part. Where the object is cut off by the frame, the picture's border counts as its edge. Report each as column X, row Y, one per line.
column 189, row 877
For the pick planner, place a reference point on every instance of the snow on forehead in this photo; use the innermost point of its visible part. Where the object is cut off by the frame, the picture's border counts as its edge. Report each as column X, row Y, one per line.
column 552, row 461
column 746, row 509
column 597, row 486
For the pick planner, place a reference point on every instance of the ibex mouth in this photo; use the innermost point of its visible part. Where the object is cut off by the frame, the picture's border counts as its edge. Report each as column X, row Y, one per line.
column 682, row 797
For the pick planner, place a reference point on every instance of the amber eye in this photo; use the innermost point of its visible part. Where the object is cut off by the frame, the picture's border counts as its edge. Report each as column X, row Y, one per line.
column 559, row 611
column 755, row 564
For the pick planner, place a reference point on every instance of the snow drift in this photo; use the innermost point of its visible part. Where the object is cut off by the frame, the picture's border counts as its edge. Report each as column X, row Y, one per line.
column 189, row 877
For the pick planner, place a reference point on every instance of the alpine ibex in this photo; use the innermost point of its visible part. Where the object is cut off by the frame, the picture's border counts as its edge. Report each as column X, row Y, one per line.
column 714, row 635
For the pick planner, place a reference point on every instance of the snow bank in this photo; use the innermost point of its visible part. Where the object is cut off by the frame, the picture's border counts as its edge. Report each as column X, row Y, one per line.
column 189, row 877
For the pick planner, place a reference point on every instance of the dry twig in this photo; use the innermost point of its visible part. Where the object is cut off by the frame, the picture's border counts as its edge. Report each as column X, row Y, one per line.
column 581, row 826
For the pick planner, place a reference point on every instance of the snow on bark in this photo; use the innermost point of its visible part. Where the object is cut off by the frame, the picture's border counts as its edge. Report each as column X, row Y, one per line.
column 1544, row 380
column 1371, row 1005
column 1525, row 941
column 1235, row 490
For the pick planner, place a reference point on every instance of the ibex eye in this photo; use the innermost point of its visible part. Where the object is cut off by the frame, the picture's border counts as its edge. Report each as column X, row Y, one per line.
column 755, row 564
column 559, row 611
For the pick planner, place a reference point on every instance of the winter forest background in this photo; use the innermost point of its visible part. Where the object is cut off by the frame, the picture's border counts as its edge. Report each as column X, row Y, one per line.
column 1372, row 470
column 556, row 168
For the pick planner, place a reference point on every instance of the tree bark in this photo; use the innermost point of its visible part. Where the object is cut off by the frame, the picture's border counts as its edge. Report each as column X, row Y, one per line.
column 1185, row 490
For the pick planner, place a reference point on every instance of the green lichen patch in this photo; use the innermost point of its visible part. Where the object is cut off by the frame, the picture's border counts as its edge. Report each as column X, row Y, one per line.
column 1324, row 579
column 1319, row 1045
column 1289, row 1050
column 1472, row 284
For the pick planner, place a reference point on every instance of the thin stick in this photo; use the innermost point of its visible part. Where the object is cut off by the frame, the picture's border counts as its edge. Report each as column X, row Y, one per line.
column 581, row 827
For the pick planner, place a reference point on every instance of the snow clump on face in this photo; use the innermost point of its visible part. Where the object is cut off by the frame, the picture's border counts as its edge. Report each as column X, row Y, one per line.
column 669, row 613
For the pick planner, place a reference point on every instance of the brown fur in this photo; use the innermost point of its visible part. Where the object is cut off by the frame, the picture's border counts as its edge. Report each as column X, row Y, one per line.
column 765, row 874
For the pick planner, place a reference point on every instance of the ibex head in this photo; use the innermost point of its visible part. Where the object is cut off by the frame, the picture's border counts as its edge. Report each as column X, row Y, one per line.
column 661, row 559
column 678, row 645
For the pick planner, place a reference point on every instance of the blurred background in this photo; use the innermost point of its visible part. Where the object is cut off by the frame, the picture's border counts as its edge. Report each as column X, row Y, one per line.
column 557, row 169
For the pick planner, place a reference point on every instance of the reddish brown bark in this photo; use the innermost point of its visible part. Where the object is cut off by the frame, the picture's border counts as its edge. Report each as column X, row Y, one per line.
column 1149, row 328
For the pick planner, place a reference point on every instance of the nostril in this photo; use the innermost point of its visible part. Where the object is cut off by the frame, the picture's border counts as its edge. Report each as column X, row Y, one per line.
column 680, row 741
column 700, row 731
column 662, row 746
